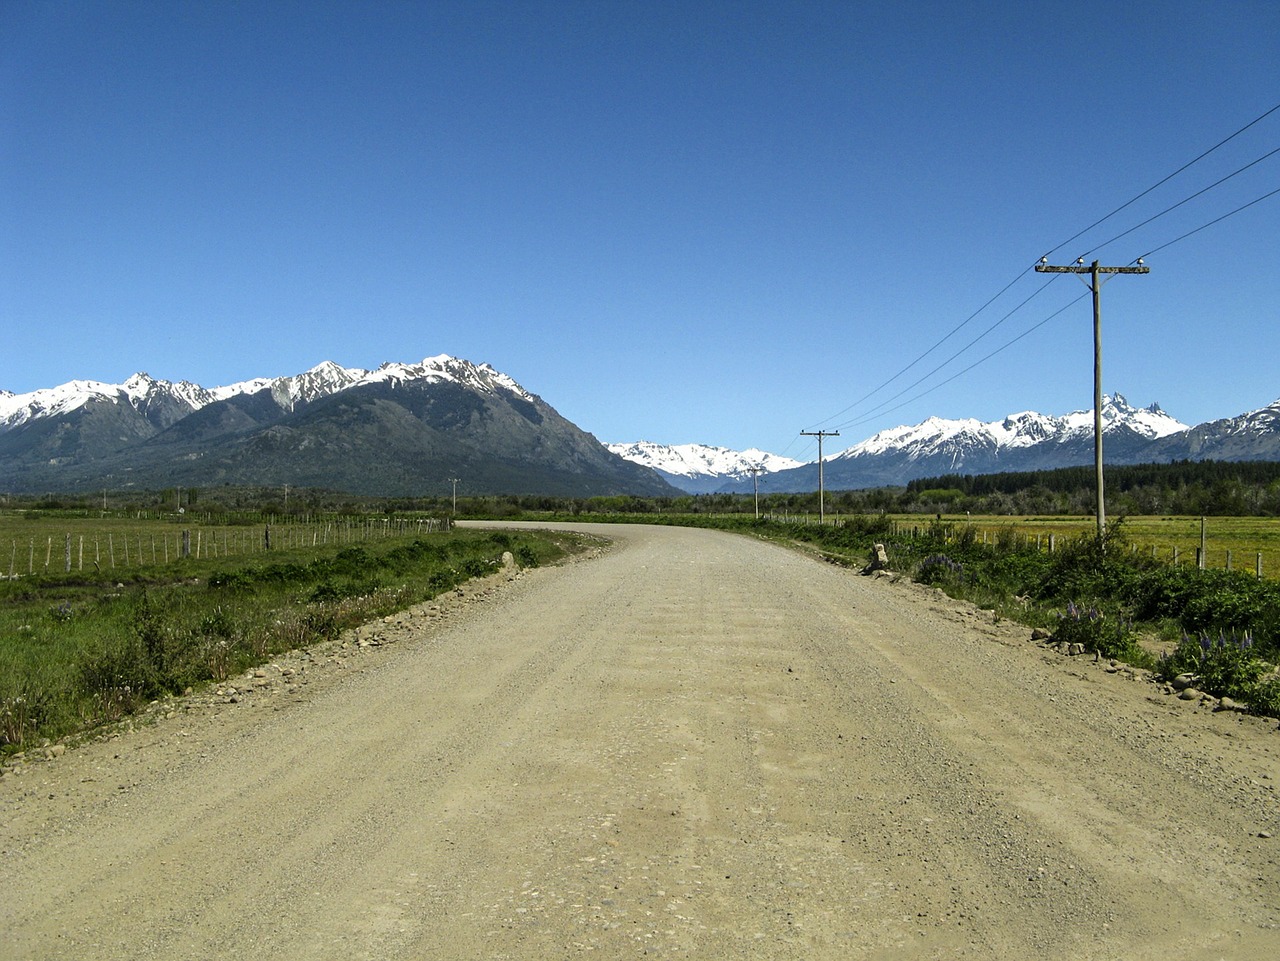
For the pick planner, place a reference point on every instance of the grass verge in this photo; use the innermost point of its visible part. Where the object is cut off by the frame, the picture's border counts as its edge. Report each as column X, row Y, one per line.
column 77, row 651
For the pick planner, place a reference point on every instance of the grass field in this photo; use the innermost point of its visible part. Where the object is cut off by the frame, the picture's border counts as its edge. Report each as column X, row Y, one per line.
column 1244, row 537
column 41, row 542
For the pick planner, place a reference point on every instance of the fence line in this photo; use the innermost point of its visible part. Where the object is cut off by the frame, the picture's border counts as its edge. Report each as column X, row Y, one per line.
column 1204, row 558
column 219, row 542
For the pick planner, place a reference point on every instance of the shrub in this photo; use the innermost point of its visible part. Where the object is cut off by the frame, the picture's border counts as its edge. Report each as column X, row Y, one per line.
column 1226, row 666
column 1107, row 636
column 477, row 567
column 23, row 711
column 939, row 568
column 116, row 679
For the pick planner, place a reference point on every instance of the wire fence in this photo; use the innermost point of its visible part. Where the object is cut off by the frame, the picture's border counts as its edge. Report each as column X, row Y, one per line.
column 153, row 544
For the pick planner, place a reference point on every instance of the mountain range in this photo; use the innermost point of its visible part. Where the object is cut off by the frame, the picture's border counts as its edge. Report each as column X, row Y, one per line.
column 402, row 429
column 700, row 469
column 409, row 429
column 1019, row 442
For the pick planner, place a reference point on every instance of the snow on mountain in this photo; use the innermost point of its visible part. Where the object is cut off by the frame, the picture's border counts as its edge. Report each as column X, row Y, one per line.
column 699, row 468
column 1022, row 430
column 139, row 391
column 1264, row 420
column 142, row 390
column 481, row 377
column 320, row 381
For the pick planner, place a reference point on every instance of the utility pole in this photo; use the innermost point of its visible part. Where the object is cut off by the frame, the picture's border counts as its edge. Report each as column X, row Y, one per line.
column 755, row 480
column 820, row 434
column 455, row 480
column 1095, row 285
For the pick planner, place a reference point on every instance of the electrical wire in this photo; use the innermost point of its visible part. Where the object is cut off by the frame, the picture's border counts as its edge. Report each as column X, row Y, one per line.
column 1209, row 224
column 878, row 411
column 880, row 408
column 1021, row 273
column 979, row 361
column 1039, row 290
column 1162, row 182
column 954, row 330
column 1184, row 200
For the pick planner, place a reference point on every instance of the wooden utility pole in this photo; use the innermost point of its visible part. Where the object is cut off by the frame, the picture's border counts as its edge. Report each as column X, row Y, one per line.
column 455, row 480
column 820, row 434
column 755, row 480
column 1095, row 285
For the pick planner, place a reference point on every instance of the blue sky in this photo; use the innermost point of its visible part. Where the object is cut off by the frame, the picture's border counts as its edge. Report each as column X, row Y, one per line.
column 703, row 222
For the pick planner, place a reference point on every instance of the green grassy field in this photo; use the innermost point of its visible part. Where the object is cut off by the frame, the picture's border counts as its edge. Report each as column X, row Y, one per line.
column 42, row 542
column 1244, row 537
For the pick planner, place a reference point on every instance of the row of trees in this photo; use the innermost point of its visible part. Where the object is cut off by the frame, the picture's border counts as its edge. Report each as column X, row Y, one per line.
column 1186, row 488
column 1228, row 489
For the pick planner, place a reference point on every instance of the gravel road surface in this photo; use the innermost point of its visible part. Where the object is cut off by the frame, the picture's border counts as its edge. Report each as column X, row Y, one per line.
column 691, row 745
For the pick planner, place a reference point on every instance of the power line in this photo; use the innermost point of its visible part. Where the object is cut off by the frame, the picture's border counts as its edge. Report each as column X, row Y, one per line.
column 975, row 340
column 1184, row 200
column 1020, row 274
column 880, row 409
column 977, row 363
column 1210, row 223
column 877, row 411
column 1165, row 180
column 954, row 330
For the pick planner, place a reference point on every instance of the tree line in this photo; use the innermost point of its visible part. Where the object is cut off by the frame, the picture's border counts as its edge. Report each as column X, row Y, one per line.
column 1212, row 488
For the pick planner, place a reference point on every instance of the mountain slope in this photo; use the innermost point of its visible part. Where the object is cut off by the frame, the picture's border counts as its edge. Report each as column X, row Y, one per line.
column 401, row 429
column 1251, row 436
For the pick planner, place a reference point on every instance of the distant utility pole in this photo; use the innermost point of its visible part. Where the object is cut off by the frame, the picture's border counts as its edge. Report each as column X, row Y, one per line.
column 755, row 480
column 822, row 514
column 455, row 480
column 1095, row 285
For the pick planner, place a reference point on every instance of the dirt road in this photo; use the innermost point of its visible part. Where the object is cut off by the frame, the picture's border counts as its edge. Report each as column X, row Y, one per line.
column 694, row 745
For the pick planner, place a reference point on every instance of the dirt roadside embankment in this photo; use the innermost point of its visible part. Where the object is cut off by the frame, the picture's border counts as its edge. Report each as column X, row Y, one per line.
column 695, row 745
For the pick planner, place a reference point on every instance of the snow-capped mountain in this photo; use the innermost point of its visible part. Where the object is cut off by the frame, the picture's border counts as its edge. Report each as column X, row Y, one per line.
column 960, row 440
column 1251, row 436
column 1019, row 442
column 399, row 429
column 699, row 468
column 142, row 391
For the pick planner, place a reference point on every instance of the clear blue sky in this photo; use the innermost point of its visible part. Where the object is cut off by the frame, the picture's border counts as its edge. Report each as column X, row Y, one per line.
column 684, row 222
